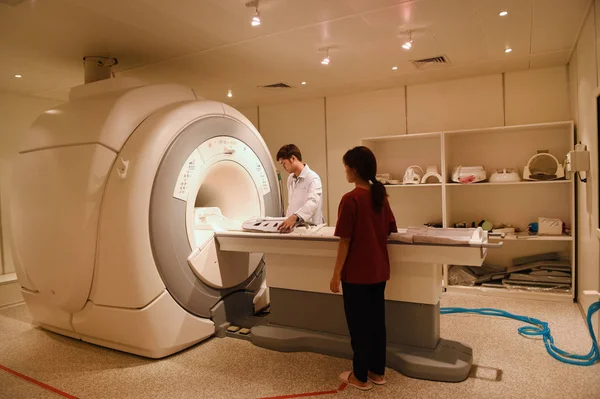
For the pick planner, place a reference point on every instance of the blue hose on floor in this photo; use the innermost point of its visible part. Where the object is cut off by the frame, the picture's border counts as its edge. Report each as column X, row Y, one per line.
column 541, row 328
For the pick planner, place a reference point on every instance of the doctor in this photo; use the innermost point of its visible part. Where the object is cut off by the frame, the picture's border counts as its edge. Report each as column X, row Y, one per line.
column 305, row 192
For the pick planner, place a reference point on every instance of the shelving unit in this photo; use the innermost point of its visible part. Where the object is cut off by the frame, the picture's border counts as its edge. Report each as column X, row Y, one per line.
column 514, row 203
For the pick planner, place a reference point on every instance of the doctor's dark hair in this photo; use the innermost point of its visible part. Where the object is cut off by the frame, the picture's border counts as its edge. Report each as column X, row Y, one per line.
column 289, row 150
column 363, row 161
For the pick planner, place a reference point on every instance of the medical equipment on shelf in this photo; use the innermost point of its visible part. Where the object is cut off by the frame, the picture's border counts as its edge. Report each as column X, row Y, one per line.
column 549, row 226
column 412, row 175
column 505, row 176
column 468, row 174
column 543, row 166
column 385, row 178
column 431, row 172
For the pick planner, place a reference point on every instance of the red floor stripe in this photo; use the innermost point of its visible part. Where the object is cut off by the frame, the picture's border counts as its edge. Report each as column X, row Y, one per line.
column 304, row 395
column 38, row 383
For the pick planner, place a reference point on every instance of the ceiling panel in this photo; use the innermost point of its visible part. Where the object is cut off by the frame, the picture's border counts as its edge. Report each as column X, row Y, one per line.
column 455, row 27
column 210, row 45
column 511, row 31
column 556, row 23
column 394, row 26
column 59, row 28
column 552, row 58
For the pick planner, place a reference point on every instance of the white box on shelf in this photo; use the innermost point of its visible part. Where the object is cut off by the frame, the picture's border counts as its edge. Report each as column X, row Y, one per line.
column 550, row 226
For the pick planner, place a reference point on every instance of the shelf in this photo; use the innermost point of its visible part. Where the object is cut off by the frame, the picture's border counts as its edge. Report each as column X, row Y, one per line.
column 517, row 183
column 494, row 148
column 511, row 293
column 404, row 137
column 413, row 185
column 514, row 128
column 527, row 237
column 8, row 278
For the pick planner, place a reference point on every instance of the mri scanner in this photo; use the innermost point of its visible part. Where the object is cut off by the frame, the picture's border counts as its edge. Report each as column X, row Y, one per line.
column 127, row 213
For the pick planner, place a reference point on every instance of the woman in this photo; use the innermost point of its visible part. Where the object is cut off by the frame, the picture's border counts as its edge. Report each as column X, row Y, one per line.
column 365, row 221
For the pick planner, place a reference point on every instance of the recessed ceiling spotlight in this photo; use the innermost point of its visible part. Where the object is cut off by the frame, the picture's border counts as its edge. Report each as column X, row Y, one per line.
column 508, row 50
column 18, row 76
column 503, row 13
column 229, row 94
column 255, row 21
column 408, row 45
column 303, row 83
column 394, row 68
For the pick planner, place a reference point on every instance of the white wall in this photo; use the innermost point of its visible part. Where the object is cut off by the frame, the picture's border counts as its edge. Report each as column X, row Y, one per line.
column 251, row 113
column 531, row 96
column 537, row 96
column 303, row 124
column 584, row 77
column 455, row 104
column 17, row 113
column 351, row 118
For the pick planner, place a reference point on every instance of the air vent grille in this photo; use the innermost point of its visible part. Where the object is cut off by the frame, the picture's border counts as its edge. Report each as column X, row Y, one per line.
column 431, row 62
column 279, row 85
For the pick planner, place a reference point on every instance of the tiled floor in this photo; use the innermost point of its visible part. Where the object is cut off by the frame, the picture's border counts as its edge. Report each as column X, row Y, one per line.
column 231, row 368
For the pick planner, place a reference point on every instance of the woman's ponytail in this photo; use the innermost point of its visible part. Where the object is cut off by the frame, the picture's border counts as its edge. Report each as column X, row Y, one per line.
column 378, row 193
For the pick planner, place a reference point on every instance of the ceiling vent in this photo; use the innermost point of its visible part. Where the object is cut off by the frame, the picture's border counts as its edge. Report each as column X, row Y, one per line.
column 12, row 2
column 423, row 63
column 279, row 85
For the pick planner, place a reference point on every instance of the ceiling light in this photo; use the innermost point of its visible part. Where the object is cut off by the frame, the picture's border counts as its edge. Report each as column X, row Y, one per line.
column 326, row 60
column 255, row 21
column 18, row 76
column 394, row 68
column 503, row 13
column 229, row 94
column 508, row 50
column 408, row 45
column 303, row 83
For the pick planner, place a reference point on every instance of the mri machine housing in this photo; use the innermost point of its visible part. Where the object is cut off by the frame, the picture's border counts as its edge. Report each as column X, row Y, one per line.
column 109, row 245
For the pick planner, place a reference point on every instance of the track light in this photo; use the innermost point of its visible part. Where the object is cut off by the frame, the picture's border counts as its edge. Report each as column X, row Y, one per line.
column 18, row 76
column 229, row 94
column 508, row 50
column 326, row 60
column 255, row 21
column 503, row 13
column 408, row 45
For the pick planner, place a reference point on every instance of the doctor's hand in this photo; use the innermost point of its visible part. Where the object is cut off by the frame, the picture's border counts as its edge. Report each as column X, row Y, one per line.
column 334, row 285
column 288, row 224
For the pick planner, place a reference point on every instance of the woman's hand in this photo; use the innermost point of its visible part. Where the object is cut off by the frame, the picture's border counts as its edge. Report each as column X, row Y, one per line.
column 334, row 285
